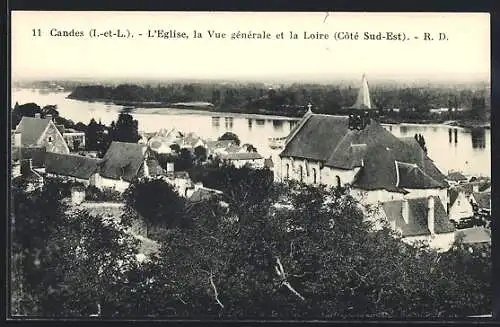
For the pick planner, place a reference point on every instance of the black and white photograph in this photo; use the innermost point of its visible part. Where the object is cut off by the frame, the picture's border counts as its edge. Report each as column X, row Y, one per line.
column 250, row 166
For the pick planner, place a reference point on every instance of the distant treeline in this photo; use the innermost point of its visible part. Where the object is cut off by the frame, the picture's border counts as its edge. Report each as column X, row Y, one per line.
column 291, row 100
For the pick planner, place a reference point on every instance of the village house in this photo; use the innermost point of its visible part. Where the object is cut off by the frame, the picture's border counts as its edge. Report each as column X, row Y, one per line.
column 215, row 148
column 475, row 238
column 455, row 178
column 241, row 159
column 482, row 202
column 75, row 139
column 161, row 142
column 38, row 132
column 419, row 220
column 122, row 163
column 354, row 150
column 28, row 178
column 460, row 206
column 73, row 167
column 191, row 141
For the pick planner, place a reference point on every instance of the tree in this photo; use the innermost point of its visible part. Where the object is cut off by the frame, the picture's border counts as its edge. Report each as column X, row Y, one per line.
column 125, row 129
column 27, row 109
column 65, row 263
column 231, row 137
column 175, row 147
column 200, row 153
column 319, row 258
column 158, row 203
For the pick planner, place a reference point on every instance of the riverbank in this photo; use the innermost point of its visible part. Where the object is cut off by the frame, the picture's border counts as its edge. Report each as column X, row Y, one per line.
column 164, row 108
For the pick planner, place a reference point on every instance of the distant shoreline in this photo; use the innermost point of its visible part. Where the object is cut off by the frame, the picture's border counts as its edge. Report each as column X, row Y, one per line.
column 207, row 108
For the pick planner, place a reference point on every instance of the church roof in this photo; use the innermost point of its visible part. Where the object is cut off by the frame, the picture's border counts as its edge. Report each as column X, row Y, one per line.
column 328, row 139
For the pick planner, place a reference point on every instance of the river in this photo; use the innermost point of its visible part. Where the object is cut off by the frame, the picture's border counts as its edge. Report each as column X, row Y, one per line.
column 451, row 148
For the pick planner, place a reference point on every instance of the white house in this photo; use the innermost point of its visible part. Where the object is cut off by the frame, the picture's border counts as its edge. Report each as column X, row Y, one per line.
column 241, row 159
column 356, row 150
column 38, row 132
column 122, row 163
column 460, row 206
column 419, row 220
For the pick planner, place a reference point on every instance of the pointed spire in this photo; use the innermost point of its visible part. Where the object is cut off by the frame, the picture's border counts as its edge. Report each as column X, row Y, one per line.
column 363, row 100
column 309, row 109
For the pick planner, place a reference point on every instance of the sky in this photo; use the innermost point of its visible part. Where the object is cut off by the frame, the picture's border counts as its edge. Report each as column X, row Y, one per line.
column 464, row 55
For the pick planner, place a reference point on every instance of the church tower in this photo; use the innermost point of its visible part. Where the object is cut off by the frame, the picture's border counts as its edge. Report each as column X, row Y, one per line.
column 362, row 112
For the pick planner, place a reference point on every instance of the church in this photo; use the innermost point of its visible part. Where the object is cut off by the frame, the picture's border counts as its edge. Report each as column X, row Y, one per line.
column 356, row 151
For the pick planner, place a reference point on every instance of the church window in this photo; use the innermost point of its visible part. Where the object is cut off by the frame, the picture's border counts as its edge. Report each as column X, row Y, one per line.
column 287, row 171
column 301, row 173
column 338, row 180
column 314, row 175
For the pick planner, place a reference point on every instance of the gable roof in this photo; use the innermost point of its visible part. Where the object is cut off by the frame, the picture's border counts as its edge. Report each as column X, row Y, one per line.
column 413, row 177
column 31, row 129
column 219, row 144
column 35, row 153
column 72, row 165
column 154, row 167
column 483, row 199
column 242, row 156
column 203, row 194
column 475, row 235
column 328, row 139
column 418, row 216
column 456, row 176
column 123, row 160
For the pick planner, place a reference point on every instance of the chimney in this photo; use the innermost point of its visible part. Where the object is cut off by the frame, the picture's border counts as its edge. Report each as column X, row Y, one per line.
column 405, row 211
column 430, row 215
column 146, row 167
column 26, row 166
column 17, row 139
column 48, row 116
column 37, row 115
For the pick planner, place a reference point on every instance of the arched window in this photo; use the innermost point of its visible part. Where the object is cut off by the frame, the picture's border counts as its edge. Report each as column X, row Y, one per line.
column 287, row 171
column 301, row 173
column 338, row 180
column 314, row 175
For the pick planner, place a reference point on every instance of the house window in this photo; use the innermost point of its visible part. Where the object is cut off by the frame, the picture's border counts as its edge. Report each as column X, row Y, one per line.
column 301, row 173
column 458, row 202
column 314, row 175
column 338, row 180
column 287, row 171
column 50, row 139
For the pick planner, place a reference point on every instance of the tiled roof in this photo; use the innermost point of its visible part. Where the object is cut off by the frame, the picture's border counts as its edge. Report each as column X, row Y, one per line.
column 31, row 129
column 483, row 199
column 418, row 215
column 202, row 194
column 219, row 144
column 328, row 139
column 456, row 176
column 413, row 177
column 71, row 165
column 35, row 153
column 475, row 235
column 242, row 156
column 154, row 168
column 123, row 160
